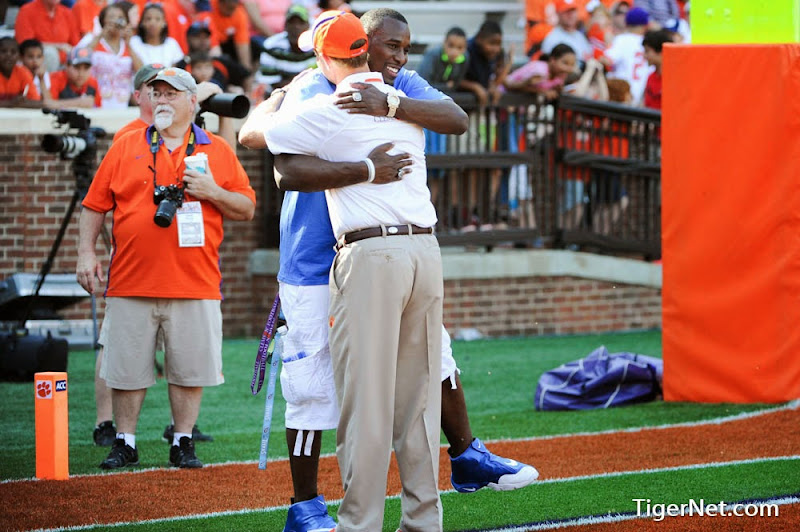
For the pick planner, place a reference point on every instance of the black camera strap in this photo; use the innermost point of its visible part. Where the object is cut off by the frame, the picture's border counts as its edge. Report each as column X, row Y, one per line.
column 155, row 137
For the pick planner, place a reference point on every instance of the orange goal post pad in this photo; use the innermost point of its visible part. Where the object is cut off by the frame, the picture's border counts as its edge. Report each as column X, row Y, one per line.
column 731, row 223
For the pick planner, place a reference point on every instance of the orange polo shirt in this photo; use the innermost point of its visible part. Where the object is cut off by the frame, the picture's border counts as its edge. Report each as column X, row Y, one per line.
column 20, row 82
column 130, row 126
column 62, row 89
column 34, row 22
column 147, row 260
column 237, row 25
column 85, row 12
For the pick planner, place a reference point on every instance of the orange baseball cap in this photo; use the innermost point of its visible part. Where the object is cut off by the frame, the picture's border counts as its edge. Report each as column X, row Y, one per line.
column 563, row 6
column 334, row 33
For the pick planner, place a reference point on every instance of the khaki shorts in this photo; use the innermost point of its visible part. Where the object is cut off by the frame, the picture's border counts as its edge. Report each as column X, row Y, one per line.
column 192, row 335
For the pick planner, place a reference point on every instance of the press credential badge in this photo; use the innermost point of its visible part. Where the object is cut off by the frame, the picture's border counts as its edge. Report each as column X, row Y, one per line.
column 191, row 233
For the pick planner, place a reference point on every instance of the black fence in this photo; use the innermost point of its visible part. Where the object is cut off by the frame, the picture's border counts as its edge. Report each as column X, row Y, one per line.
column 574, row 173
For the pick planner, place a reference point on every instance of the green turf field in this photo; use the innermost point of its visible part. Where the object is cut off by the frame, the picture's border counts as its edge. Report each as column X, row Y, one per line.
column 499, row 378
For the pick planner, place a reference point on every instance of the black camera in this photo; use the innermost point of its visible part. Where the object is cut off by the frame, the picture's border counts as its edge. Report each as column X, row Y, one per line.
column 233, row 105
column 169, row 199
column 71, row 146
column 80, row 147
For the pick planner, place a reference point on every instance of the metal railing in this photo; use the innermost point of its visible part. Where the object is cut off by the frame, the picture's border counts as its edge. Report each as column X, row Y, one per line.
column 528, row 173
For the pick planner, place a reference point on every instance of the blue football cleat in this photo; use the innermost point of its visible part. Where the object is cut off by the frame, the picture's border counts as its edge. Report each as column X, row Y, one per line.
column 476, row 468
column 309, row 516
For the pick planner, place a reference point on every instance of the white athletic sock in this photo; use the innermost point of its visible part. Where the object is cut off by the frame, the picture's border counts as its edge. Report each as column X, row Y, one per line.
column 176, row 439
column 130, row 439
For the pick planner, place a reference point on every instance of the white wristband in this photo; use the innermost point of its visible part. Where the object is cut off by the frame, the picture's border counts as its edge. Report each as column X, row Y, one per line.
column 371, row 169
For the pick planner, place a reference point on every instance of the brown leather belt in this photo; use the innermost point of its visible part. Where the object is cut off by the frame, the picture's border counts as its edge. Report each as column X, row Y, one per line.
column 386, row 230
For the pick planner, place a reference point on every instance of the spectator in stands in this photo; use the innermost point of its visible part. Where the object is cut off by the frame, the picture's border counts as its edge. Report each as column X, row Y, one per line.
column 180, row 15
column 486, row 67
column 17, row 88
column 661, row 11
column 599, row 33
column 53, row 25
column 541, row 18
column 653, row 43
column 266, row 17
column 618, row 12
column 567, row 31
column 32, row 53
column 74, row 86
column 152, row 41
column 203, row 73
column 444, row 66
column 228, row 73
column 545, row 76
column 282, row 59
column 624, row 59
column 229, row 20
column 86, row 13
column 113, row 61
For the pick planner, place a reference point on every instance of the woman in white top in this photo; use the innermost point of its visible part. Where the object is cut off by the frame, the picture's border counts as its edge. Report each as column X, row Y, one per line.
column 151, row 42
column 114, row 62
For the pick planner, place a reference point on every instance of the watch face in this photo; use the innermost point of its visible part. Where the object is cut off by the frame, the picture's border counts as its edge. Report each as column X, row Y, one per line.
column 393, row 100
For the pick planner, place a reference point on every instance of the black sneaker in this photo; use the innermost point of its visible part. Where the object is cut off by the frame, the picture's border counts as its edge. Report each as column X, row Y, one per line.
column 183, row 455
column 121, row 455
column 105, row 434
column 169, row 434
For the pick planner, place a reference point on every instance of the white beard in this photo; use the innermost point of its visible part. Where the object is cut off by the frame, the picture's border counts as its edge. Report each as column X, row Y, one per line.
column 163, row 117
column 163, row 121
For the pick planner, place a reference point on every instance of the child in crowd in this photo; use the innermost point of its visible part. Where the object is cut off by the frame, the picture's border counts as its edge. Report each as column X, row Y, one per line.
column 17, row 88
column 74, row 86
column 282, row 59
column 32, row 54
column 152, row 42
column 486, row 66
column 653, row 43
column 445, row 66
column 201, row 67
column 545, row 76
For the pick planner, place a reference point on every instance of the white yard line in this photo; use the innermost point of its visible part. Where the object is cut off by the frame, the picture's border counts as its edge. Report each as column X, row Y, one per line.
column 576, row 521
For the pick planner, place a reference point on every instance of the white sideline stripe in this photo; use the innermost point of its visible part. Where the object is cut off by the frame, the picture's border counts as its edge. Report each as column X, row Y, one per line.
column 613, row 518
column 270, row 509
column 791, row 405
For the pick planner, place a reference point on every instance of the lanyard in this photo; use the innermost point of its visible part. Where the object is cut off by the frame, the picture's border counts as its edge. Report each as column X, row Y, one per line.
column 155, row 147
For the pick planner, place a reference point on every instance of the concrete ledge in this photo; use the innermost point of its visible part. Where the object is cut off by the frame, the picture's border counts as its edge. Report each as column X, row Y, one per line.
column 459, row 264
column 34, row 121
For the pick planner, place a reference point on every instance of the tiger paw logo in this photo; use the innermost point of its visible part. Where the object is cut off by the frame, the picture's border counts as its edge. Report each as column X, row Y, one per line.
column 44, row 390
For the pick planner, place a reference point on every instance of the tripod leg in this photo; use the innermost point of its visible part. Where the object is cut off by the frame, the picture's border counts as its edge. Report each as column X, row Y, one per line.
column 48, row 264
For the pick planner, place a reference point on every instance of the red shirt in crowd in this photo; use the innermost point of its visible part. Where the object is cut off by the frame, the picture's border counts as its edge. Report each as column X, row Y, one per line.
column 62, row 89
column 19, row 83
column 652, row 91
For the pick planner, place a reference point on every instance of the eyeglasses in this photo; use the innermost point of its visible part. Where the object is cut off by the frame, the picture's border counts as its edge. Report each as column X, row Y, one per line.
column 168, row 95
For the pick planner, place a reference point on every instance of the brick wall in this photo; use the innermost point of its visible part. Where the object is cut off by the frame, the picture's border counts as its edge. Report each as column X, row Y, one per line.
column 37, row 187
column 549, row 305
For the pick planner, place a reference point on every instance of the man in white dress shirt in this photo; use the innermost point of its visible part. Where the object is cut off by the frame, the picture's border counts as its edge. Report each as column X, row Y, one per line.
column 386, row 292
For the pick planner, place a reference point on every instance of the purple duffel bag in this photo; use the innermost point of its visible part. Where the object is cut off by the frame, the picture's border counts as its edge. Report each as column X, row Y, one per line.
column 600, row 380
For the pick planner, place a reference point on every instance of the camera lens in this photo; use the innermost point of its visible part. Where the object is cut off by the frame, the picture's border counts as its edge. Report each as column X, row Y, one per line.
column 165, row 213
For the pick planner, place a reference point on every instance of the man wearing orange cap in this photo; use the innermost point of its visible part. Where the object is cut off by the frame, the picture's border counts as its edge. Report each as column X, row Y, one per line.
column 385, row 365
column 567, row 31
column 306, row 244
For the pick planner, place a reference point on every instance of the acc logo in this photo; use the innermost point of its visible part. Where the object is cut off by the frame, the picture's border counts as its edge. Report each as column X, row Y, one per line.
column 43, row 390
column 61, row 386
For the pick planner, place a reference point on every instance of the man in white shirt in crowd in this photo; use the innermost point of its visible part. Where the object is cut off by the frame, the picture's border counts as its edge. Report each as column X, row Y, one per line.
column 567, row 31
column 625, row 57
column 386, row 292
